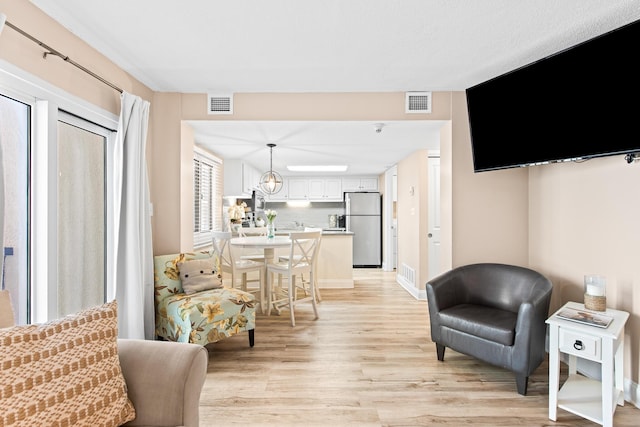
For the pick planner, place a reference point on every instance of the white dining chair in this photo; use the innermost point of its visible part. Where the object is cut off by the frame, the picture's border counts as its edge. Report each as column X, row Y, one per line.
column 230, row 262
column 252, row 254
column 305, row 283
column 303, row 255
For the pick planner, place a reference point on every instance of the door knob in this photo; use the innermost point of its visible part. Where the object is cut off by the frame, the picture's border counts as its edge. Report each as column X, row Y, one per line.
column 429, row 235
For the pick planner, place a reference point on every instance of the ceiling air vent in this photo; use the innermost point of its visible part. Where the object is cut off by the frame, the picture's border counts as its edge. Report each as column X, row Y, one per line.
column 418, row 102
column 220, row 104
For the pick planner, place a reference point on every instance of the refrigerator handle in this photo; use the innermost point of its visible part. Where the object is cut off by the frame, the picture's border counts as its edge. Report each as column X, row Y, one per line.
column 347, row 211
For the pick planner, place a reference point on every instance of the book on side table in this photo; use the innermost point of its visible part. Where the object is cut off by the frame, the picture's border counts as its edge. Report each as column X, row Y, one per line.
column 585, row 317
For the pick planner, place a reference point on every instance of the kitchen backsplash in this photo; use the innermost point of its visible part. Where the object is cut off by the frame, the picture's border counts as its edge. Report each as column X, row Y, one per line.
column 314, row 215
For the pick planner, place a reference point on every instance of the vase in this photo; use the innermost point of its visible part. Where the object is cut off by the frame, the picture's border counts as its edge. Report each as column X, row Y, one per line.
column 271, row 230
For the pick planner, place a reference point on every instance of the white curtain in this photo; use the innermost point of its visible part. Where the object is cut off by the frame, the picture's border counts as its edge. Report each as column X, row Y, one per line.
column 133, row 258
column 1, row 209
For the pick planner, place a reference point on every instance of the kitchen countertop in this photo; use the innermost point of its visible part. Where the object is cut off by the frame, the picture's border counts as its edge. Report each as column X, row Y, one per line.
column 324, row 232
column 336, row 232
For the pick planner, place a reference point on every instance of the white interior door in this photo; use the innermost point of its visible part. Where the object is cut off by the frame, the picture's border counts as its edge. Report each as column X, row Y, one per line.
column 434, row 220
column 390, row 223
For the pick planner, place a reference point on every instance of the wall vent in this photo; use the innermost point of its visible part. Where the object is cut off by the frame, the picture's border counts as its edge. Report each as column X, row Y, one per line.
column 418, row 102
column 219, row 104
column 409, row 274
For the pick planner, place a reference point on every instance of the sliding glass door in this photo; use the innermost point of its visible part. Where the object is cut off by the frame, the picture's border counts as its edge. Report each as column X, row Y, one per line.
column 56, row 220
column 81, row 210
column 15, row 131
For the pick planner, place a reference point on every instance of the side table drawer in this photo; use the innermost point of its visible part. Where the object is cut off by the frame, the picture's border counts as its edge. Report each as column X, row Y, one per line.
column 580, row 344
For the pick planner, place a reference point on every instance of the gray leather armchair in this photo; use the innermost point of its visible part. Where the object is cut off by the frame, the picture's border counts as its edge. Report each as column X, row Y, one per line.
column 493, row 312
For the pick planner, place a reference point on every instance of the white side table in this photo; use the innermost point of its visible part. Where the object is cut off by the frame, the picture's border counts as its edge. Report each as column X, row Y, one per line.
column 590, row 399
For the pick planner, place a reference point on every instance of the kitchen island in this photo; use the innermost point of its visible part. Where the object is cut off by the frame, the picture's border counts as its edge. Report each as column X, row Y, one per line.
column 335, row 260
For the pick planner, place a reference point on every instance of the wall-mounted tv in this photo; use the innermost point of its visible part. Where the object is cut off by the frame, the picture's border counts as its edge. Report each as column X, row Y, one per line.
column 580, row 103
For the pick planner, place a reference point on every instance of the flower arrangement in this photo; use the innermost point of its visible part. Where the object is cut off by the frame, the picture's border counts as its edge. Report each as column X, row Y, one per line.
column 236, row 212
column 271, row 215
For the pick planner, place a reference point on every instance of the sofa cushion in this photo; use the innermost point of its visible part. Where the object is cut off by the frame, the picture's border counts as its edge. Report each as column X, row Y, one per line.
column 481, row 321
column 64, row 372
column 199, row 275
column 207, row 316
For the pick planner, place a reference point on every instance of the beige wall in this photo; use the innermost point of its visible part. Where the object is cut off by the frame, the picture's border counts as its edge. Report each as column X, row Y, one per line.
column 316, row 106
column 446, row 196
column 410, row 211
column 585, row 220
column 490, row 215
column 27, row 55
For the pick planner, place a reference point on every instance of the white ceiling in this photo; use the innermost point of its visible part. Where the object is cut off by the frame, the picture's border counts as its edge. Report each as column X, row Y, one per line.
column 214, row 46
column 355, row 144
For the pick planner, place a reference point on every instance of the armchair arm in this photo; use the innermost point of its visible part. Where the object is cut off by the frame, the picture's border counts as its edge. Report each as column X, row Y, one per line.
column 442, row 292
column 531, row 329
column 164, row 381
column 445, row 290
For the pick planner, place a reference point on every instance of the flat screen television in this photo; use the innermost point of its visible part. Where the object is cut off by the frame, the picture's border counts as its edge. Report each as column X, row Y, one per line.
column 580, row 103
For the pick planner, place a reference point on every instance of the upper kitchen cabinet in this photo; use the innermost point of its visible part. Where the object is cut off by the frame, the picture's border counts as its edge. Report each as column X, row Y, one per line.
column 360, row 184
column 282, row 195
column 315, row 189
column 325, row 189
column 298, row 189
column 240, row 178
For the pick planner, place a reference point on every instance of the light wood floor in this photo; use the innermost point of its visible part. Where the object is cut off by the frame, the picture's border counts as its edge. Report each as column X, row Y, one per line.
column 368, row 361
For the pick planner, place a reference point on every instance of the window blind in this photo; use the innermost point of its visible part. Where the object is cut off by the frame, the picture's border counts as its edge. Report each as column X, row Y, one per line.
column 207, row 197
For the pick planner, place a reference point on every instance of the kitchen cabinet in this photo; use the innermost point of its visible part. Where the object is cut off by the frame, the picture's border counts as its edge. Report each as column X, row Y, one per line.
column 282, row 195
column 298, row 188
column 315, row 189
column 360, row 184
column 335, row 260
column 322, row 189
column 240, row 178
column 325, row 189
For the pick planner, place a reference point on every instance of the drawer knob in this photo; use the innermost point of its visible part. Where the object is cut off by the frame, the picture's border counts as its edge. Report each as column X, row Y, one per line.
column 578, row 345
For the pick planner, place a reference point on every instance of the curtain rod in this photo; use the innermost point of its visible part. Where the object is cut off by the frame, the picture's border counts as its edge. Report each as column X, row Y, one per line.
column 52, row 51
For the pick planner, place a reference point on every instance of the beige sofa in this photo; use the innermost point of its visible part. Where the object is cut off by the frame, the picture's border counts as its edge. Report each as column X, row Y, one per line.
column 164, row 381
column 161, row 380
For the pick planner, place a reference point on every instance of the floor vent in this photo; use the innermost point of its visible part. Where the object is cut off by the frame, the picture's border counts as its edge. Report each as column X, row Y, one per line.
column 219, row 104
column 418, row 102
column 409, row 274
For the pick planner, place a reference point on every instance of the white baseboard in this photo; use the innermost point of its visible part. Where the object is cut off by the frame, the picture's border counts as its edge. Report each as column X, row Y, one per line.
column 409, row 287
column 632, row 392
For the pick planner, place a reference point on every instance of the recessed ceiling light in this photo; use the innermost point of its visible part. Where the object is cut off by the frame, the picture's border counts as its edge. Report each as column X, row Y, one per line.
column 317, row 168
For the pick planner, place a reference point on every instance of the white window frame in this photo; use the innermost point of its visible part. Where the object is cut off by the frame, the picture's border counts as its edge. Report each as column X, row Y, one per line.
column 47, row 101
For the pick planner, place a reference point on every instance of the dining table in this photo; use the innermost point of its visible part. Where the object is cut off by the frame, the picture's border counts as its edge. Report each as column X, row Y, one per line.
column 268, row 246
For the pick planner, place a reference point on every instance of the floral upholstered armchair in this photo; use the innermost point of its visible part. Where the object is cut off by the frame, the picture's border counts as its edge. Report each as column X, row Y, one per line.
column 200, row 311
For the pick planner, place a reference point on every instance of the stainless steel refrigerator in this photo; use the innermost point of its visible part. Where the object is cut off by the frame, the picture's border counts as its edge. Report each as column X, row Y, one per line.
column 363, row 214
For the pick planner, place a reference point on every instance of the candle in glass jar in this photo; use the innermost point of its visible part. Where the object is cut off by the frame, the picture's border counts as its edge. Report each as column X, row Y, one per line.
column 595, row 290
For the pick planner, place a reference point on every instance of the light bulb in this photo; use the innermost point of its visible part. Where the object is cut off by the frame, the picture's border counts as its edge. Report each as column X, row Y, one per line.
column 271, row 182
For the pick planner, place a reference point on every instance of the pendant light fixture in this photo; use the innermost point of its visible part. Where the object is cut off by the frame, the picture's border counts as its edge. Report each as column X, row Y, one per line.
column 271, row 181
